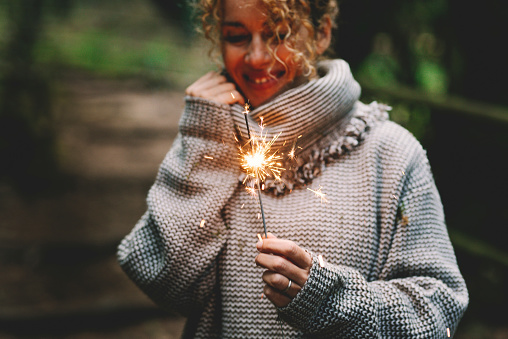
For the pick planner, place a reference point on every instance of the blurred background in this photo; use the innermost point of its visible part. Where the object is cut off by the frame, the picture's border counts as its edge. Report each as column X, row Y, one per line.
column 90, row 97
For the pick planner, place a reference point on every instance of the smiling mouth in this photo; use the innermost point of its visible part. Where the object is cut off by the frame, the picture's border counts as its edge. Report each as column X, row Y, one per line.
column 265, row 80
column 258, row 81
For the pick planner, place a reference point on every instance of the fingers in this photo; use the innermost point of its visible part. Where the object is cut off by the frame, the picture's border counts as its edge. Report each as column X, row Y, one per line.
column 271, row 236
column 205, row 81
column 229, row 97
column 287, row 249
column 215, row 87
column 284, row 261
column 283, row 266
column 281, row 283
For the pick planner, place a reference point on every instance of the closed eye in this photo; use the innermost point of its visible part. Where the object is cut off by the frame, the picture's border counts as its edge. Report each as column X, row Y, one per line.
column 237, row 39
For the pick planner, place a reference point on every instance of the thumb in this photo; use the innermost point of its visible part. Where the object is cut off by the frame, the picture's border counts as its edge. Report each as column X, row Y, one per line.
column 271, row 236
column 259, row 244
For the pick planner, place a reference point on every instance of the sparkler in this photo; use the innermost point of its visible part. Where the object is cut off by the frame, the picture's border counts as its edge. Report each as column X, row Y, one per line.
column 261, row 162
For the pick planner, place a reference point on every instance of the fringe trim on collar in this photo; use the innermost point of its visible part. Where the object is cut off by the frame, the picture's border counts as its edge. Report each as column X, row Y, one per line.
column 312, row 162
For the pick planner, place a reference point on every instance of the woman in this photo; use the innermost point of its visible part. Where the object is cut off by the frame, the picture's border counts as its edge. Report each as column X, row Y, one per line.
column 375, row 260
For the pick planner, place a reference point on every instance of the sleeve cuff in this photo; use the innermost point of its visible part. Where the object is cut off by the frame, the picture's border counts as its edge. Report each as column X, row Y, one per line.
column 206, row 119
column 304, row 308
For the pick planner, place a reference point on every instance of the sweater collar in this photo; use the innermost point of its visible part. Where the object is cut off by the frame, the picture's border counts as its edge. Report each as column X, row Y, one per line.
column 321, row 120
column 304, row 114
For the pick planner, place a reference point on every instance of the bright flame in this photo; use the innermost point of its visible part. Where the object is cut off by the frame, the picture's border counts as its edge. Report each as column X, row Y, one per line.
column 260, row 161
column 255, row 160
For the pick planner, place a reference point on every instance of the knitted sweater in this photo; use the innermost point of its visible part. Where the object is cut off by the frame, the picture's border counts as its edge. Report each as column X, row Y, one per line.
column 389, row 268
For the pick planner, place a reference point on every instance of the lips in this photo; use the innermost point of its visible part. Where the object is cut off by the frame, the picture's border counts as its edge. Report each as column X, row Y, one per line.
column 263, row 81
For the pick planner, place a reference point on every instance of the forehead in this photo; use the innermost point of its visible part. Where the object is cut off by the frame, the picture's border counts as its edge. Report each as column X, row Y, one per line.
column 243, row 10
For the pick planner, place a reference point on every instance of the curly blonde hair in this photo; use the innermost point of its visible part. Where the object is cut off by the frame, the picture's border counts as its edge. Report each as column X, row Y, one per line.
column 285, row 18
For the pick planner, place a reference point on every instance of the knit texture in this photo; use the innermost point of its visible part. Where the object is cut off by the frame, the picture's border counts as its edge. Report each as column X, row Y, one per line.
column 389, row 272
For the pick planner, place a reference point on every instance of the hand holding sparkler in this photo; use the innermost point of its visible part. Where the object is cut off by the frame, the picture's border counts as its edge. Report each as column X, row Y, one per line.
column 287, row 268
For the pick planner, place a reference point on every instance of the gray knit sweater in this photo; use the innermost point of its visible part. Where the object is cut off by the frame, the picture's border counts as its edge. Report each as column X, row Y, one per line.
column 389, row 268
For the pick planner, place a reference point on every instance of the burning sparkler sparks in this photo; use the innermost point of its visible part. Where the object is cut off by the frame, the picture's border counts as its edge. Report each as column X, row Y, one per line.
column 251, row 191
column 291, row 154
column 319, row 194
column 260, row 161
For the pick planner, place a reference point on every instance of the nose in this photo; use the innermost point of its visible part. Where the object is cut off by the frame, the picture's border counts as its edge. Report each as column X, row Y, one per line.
column 257, row 55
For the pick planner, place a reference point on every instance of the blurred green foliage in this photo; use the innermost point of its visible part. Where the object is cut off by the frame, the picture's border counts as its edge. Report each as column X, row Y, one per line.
column 41, row 40
column 122, row 39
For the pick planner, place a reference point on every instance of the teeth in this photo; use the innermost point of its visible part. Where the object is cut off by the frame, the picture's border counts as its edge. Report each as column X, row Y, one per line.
column 260, row 80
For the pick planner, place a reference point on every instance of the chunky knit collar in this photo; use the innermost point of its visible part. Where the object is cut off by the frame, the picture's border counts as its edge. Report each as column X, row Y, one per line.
column 321, row 119
column 306, row 111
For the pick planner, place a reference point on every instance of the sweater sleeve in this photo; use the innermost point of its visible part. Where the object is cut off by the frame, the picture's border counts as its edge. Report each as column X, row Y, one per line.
column 171, row 253
column 419, row 292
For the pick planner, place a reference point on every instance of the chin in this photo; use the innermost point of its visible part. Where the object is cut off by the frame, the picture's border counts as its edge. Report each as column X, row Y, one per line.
column 257, row 98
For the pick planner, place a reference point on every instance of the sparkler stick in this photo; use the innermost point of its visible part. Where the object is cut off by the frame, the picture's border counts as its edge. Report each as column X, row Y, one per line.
column 247, row 110
column 259, row 167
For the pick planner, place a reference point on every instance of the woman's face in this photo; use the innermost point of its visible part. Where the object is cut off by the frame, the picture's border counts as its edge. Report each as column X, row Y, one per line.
column 247, row 58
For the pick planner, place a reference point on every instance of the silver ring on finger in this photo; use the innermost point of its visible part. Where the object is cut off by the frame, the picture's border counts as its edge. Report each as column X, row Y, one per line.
column 287, row 288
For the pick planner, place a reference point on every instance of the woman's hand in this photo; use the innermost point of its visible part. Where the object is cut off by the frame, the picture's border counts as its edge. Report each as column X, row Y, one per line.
column 215, row 87
column 284, row 261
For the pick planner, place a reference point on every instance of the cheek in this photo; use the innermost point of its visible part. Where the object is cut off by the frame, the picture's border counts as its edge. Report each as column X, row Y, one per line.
column 231, row 58
column 287, row 56
column 293, row 70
